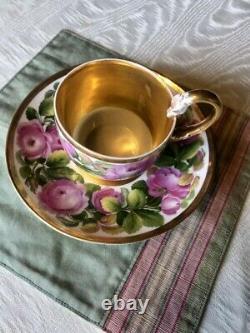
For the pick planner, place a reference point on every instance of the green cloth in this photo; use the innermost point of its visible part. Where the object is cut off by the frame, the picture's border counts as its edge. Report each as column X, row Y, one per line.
column 77, row 274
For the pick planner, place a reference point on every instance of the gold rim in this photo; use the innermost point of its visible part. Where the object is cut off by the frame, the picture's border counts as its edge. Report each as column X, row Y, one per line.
column 106, row 158
column 81, row 235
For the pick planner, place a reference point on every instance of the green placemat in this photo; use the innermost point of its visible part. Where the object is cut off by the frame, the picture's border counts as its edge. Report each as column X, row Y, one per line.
column 78, row 275
column 175, row 271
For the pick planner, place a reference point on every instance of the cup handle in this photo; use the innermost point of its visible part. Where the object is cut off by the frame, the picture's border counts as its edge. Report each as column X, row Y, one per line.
column 180, row 104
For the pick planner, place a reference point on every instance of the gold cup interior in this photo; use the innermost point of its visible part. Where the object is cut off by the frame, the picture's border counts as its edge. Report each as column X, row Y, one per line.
column 115, row 85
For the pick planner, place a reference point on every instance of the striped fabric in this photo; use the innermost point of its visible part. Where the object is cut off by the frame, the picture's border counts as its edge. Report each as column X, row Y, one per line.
column 176, row 271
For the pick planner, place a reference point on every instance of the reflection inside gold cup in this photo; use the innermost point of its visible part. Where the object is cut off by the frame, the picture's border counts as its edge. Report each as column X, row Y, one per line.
column 114, row 108
column 114, row 131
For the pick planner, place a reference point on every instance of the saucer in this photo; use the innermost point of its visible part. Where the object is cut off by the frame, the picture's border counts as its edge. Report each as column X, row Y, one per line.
column 80, row 206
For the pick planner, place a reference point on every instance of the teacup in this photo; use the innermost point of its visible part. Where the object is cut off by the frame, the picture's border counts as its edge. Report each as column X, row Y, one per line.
column 114, row 117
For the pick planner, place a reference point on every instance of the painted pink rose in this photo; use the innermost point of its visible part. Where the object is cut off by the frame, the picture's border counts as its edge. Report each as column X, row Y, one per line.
column 128, row 170
column 32, row 140
column 165, row 180
column 107, row 200
column 170, row 204
column 53, row 139
column 64, row 197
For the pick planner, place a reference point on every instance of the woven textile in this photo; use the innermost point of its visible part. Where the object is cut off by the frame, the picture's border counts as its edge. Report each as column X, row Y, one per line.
column 175, row 271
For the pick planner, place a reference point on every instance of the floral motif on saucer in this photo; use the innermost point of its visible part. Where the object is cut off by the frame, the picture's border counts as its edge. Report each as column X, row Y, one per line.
column 55, row 185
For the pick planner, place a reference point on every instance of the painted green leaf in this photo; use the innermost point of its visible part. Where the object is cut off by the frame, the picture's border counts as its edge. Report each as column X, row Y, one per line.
column 31, row 113
column 121, row 216
column 38, row 170
column 91, row 188
column 58, row 158
column 150, row 218
column 186, row 179
column 184, row 204
column 90, row 227
column 41, row 179
column 78, row 178
column 132, row 223
column 172, row 149
column 165, row 160
column 182, row 166
column 41, row 160
column 195, row 182
column 125, row 193
column 69, row 223
column 25, row 171
column 32, row 183
column 61, row 172
column 110, row 204
column 20, row 158
column 27, row 161
column 196, row 161
column 49, row 121
column 136, row 198
column 80, row 217
column 153, row 202
column 140, row 185
column 89, row 220
column 189, row 151
column 191, row 195
column 198, row 166
column 96, row 215
column 49, row 93
column 108, row 220
column 46, row 107
column 56, row 84
column 112, row 230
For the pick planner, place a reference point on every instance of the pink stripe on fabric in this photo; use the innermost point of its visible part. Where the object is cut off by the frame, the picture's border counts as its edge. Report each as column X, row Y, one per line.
column 144, row 281
column 132, row 286
column 183, row 283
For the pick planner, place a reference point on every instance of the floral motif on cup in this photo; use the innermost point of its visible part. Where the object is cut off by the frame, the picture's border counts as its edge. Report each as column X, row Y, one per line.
column 107, row 170
column 44, row 164
column 128, row 170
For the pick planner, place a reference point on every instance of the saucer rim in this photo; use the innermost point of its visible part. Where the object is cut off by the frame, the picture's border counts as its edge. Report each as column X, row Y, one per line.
column 89, row 237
